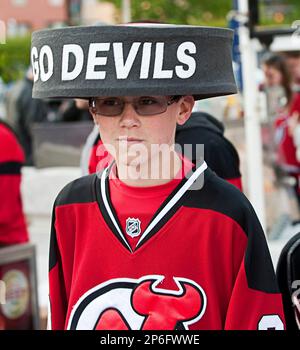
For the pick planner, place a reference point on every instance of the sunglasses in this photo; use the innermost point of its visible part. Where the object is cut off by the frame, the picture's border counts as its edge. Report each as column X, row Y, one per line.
column 143, row 105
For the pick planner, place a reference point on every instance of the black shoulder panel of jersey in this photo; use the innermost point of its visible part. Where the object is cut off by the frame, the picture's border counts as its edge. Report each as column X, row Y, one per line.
column 220, row 196
column 78, row 191
column 10, row 168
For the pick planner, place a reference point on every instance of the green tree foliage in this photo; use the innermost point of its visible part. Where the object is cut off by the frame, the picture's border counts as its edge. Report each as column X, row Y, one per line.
column 208, row 12
column 279, row 12
column 193, row 12
column 14, row 58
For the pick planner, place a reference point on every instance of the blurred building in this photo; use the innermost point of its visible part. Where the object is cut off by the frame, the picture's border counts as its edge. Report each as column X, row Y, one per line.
column 95, row 11
column 22, row 16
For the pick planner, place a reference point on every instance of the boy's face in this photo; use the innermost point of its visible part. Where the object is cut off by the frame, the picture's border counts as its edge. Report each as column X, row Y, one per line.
column 130, row 134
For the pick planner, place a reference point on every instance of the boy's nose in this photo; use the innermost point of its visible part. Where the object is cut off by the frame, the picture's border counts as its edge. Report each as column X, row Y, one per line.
column 129, row 117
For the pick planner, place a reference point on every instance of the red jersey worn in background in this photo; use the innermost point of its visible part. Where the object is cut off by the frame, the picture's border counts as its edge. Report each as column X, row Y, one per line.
column 295, row 107
column 286, row 150
column 12, row 222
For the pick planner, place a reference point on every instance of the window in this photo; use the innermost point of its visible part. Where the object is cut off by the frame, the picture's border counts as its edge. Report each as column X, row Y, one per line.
column 56, row 3
column 19, row 2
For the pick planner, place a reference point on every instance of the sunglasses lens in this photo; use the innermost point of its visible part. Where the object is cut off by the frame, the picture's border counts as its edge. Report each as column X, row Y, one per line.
column 109, row 106
column 145, row 105
column 151, row 105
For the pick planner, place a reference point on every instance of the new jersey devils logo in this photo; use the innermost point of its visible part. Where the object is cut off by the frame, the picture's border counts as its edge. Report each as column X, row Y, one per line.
column 124, row 303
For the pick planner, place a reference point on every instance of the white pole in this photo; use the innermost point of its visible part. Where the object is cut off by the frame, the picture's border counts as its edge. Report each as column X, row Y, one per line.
column 252, row 126
column 126, row 11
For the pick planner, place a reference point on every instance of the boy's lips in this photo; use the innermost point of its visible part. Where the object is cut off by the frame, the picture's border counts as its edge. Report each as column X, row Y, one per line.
column 128, row 139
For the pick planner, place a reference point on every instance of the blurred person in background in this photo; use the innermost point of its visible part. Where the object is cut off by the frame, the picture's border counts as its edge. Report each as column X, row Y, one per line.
column 75, row 111
column 12, row 221
column 279, row 79
column 23, row 111
column 292, row 59
column 219, row 153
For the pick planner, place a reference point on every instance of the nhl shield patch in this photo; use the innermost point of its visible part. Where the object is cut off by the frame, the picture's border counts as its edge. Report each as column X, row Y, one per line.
column 133, row 227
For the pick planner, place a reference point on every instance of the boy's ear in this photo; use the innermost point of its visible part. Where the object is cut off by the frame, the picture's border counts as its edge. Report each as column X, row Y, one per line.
column 94, row 117
column 186, row 107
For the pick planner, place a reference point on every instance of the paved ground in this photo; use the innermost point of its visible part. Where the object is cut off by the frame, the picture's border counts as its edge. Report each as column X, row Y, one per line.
column 39, row 189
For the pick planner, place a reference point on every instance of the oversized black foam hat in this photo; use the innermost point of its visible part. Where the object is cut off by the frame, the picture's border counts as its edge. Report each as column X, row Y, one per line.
column 132, row 60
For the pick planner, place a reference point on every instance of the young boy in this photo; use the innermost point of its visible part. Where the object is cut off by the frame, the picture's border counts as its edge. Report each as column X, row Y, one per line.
column 154, row 241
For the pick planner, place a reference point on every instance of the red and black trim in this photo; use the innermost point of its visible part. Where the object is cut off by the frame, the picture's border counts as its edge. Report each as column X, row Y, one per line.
column 156, row 223
column 10, row 168
column 114, row 227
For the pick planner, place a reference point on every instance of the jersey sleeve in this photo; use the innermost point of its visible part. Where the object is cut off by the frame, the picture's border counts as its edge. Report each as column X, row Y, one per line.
column 57, row 290
column 63, row 249
column 255, row 303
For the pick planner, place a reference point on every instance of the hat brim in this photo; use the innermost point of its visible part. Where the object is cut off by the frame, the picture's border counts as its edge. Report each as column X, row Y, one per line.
column 83, row 62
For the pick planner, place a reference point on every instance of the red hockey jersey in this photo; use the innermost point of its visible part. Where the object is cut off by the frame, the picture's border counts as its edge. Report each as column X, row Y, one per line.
column 201, row 263
column 13, row 228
